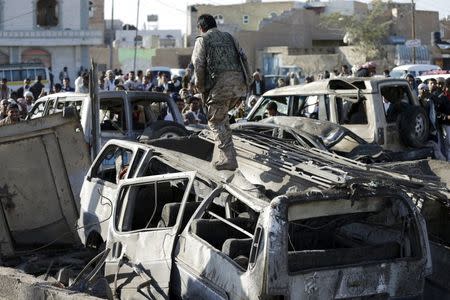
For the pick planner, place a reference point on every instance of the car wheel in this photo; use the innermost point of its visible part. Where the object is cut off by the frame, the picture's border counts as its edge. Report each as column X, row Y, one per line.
column 414, row 127
column 163, row 129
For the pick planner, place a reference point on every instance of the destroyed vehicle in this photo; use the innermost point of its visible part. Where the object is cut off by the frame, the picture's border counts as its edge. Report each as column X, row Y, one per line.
column 205, row 234
column 43, row 167
column 397, row 124
column 121, row 114
column 328, row 136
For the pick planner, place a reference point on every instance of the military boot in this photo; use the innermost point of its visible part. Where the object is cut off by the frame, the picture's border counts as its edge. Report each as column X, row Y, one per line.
column 227, row 160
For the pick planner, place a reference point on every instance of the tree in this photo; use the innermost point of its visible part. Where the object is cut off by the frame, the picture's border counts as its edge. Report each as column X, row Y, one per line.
column 365, row 31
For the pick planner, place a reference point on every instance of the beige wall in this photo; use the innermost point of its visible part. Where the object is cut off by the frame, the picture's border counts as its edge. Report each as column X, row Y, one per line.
column 172, row 57
column 100, row 55
column 233, row 14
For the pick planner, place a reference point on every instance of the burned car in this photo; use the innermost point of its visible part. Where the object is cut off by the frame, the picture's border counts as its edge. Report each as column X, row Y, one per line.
column 379, row 110
column 328, row 136
column 179, row 231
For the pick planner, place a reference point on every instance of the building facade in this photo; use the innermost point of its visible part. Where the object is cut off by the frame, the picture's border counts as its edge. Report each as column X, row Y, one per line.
column 55, row 33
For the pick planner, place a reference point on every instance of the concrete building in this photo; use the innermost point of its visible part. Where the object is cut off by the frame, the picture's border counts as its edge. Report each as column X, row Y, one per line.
column 52, row 32
column 293, row 30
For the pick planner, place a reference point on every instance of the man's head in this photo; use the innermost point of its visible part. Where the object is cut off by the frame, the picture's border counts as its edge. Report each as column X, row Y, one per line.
column 28, row 97
column 13, row 112
column 86, row 79
column 131, row 75
column 272, row 108
column 38, row 78
column 447, row 85
column 410, row 80
column 3, row 106
column 140, row 73
column 65, row 69
column 206, row 22
column 432, row 85
column 26, row 82
column 194, row 103
column 66, row 82
column 440, row 83
column 256, row 76
column 344, row 68
column 371, row 66
column 4, row 81
column 178, row 101
column 57, row 87
column 423, row 90
column 110, row 75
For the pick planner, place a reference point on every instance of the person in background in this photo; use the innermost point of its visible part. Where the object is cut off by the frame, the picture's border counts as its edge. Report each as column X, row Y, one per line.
column 3, row 106
column 57, row 88
column 37, row 87
column 63, row 74
column 109, row 84
column 25, row 88
column 367, row 70
column 345, row 72
column 66, row 86
column 386, row 73
column 272, row 109
column 194, row 114
column 412, row 83
column 4, row 89
column 12, row 115
column 281, row 82
column 29, row 100
column 51, row 78
column 180, row 105
column 257, row 87
column 84, row 88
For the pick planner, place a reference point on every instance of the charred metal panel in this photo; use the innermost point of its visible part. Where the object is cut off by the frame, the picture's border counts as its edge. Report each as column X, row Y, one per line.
column 46, row 160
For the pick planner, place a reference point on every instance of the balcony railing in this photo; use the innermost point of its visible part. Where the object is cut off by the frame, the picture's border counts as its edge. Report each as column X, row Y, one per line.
column 51, row 37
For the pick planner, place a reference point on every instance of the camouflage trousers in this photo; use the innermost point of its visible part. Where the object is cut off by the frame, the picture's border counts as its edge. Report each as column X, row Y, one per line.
column 220, row 99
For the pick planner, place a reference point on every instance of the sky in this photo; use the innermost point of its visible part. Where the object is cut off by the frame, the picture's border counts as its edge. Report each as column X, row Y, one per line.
column 172, row 14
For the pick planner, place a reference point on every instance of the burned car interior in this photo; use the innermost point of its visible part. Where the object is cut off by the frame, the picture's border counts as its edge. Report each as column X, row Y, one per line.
column 376, row 229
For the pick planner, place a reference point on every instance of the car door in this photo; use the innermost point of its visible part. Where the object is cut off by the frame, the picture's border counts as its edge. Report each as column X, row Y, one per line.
column 140, row 261
column 100, row 185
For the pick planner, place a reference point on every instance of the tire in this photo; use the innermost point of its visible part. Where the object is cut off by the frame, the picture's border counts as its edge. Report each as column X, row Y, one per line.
column 163, row 129
column 414, row 127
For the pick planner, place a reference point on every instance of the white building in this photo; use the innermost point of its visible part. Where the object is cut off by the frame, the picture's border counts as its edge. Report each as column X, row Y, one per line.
column 150, row 38
column 53, row 32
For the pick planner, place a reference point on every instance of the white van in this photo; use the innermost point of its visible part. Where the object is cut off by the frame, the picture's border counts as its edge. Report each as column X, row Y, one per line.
column 414, row 70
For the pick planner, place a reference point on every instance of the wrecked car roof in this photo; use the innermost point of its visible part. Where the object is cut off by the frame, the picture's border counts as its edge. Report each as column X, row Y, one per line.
column 328, row 86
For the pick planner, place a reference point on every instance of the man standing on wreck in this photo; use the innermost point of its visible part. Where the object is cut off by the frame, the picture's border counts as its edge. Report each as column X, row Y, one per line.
column 219, row 76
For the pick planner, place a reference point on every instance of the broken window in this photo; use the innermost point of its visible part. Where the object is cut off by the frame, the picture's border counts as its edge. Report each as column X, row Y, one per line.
column 351, row 111
column 47, row 13
column 228, row 226
column 332, row 233
column 282, row 107
column 113, row 164
column 154, row 205
column 396, row 99
column 112, row 115
column 146, row 112
column 38, row 110
column 314, row 107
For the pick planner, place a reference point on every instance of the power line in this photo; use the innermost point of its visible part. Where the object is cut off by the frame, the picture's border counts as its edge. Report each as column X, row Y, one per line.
column 18, row 16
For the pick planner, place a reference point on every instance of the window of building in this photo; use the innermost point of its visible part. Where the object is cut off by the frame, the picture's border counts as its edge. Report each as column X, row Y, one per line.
column 245, row 19
column 91, row 9
column 219, row 19
column 47, row 13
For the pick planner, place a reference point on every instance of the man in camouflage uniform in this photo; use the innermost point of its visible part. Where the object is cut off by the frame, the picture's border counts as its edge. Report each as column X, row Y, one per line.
column 219, row 77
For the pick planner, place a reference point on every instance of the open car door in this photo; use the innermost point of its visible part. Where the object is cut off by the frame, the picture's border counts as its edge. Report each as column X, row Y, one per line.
column 140, row 240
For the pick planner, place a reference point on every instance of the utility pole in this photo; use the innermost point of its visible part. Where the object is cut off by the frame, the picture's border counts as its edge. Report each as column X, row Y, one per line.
column 413, row 8
column 135, row 37
column 111, row 37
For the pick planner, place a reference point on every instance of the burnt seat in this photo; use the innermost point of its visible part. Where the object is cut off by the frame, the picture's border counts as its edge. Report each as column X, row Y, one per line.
column 170, row 212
